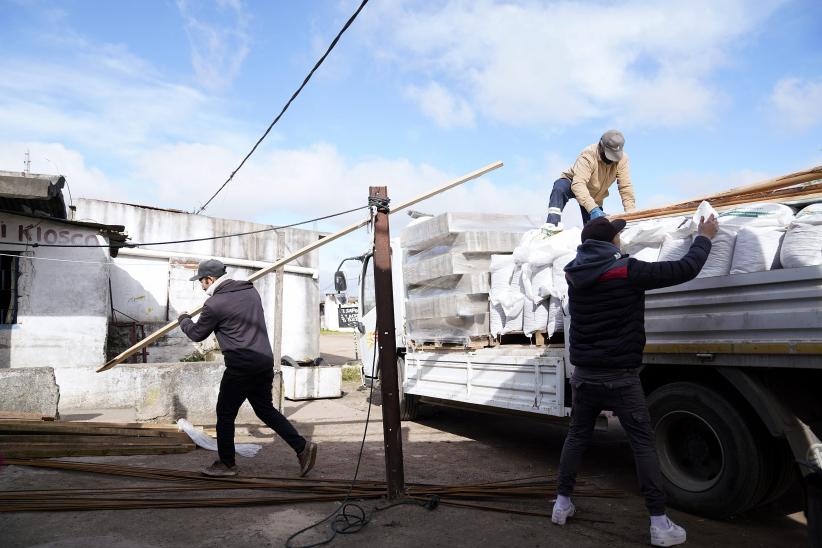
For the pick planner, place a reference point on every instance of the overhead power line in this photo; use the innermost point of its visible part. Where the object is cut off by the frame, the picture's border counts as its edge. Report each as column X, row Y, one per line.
column 294, row 96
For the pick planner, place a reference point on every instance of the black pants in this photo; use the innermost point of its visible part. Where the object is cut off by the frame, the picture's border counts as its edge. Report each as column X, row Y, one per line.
column 560, row 195
column 234, row 390
column 628, row 402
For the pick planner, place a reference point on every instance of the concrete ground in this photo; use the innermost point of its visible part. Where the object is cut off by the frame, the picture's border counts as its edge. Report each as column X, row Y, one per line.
column 337, row 348
column 445, row 446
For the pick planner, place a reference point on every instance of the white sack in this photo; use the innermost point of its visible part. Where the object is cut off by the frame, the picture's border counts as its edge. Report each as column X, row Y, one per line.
column 515, row 304
column 722, row 253
column 756, row 214
column 534, row 317
column 653, row 231
column 802, row 245
column 756, row 249
column 644, row 252
column 674, row 249
column 812, row 215
column 502, row 269
column 543, row 251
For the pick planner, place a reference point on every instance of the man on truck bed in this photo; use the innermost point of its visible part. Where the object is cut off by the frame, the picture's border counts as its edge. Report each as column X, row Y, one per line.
column 234, row 313
column 596, row 168
column 606, row 293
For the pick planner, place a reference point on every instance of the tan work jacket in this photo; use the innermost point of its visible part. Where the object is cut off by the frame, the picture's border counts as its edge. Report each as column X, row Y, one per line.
column 590, row 178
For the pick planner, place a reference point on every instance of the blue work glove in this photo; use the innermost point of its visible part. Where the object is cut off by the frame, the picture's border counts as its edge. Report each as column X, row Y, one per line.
column 597, row 212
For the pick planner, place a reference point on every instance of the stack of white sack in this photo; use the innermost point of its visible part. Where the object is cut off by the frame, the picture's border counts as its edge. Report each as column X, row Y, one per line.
column 648, row 240
column 763, row 225
column 447, row 260
column 506, row 297
column 542, row 306
column 802, row 245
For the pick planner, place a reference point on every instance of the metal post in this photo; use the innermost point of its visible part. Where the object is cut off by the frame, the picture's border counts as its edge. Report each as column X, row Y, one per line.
column 387, row 345
column 277, row 345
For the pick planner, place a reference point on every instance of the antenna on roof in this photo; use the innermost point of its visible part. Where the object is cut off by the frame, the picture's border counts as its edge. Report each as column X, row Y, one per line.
column 27, row 162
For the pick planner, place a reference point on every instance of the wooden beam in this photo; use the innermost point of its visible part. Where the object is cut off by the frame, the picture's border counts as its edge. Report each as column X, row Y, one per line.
column 782, row 182
column 157, row 335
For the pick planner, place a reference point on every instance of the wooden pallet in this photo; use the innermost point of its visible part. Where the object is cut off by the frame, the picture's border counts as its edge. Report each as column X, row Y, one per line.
column 473, row 343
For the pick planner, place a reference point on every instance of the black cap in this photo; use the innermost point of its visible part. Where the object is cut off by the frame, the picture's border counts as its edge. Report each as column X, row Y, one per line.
column 209, row 268
column 602, row 229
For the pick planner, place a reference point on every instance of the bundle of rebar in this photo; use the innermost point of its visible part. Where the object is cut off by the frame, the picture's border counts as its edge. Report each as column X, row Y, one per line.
column 801, row 185
column 183, row 489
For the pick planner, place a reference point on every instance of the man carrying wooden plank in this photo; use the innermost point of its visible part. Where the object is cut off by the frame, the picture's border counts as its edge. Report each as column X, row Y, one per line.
column 596, row 168
column 234, row 313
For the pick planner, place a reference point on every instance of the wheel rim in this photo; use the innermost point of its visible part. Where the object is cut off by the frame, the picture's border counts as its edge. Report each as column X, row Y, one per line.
column 691, row 455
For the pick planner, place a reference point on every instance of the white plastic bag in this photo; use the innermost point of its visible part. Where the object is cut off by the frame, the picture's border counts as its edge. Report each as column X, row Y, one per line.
column 643, row 252
column 201, row 439
column 756, row 249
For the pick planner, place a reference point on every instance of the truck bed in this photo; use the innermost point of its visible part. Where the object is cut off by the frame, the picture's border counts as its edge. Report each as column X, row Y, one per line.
column 765, row 319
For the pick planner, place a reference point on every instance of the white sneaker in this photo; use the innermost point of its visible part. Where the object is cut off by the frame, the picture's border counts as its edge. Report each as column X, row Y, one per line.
column 549, row 229
column 671, row 536
column 559, row 515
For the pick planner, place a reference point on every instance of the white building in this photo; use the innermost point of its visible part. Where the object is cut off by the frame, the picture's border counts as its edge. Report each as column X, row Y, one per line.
column 61, row 307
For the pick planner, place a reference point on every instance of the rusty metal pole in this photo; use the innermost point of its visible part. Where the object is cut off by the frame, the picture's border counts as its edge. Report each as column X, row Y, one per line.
column 387, row 345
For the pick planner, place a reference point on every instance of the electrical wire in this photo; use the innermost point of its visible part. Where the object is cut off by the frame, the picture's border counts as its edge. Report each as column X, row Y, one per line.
column 118, row 245
column 95, row 263
column 294, row 96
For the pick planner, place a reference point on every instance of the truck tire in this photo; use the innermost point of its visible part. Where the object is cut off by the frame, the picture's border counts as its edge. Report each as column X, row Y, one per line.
column 710, row 453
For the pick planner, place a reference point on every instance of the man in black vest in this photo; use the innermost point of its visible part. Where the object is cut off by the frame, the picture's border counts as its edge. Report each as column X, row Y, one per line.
column 606, row 293
column 234, row 313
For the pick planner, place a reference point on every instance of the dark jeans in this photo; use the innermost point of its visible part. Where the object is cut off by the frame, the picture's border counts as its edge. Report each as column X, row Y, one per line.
column 628, row 402
column 234, row 390
column 559, row 197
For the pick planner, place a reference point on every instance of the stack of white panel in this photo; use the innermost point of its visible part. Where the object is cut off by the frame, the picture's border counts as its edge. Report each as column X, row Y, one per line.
column 447, row 264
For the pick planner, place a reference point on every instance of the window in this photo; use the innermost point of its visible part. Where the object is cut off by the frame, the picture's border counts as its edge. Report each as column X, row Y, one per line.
column 9, row 273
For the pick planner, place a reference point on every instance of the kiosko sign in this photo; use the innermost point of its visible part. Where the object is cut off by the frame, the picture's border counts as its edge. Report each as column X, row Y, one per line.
column 32, row 232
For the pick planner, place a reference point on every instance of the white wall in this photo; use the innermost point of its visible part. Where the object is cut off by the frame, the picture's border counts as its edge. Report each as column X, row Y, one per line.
column 157, row 290
column 63, row 306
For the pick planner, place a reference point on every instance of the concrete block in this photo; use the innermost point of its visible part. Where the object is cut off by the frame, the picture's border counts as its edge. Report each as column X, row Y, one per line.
column 167, row 392
column 420, row 272
column 439, row 230
column 29, row 390
column 311, row 383
column 461, row 283
column 446, row 304
column 455, row 329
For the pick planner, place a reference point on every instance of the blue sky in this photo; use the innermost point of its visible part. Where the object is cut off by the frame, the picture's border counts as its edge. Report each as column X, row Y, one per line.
column 157, row 101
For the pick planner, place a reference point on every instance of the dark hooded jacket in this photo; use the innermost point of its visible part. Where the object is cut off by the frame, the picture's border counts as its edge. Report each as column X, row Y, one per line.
column 234, row 313
column 606, row 293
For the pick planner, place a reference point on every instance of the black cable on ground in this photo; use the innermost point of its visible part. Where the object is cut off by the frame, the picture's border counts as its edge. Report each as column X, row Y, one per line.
column 349, row 517
column 119, row 245
column 294, row 96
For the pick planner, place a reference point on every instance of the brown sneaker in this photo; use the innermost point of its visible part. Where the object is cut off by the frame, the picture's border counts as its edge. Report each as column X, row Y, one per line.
column 307, row 458
column 218, row 469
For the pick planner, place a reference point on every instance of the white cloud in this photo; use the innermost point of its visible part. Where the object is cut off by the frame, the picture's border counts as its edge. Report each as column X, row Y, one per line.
column 53, row 158
column 446, row 109
column 217, row 50
column 797, row 103
column 560, row 63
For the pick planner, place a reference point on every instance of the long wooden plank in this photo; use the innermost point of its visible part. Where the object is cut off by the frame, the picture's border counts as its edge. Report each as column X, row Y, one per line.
column 154, row 337
column 83, row 429
column 73, row 439
column 86, row 451
column 791, row 179
column 24, row 416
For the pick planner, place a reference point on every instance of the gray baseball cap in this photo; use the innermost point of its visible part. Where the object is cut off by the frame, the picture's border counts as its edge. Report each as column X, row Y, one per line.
column 612, row 142
column 209, row 267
